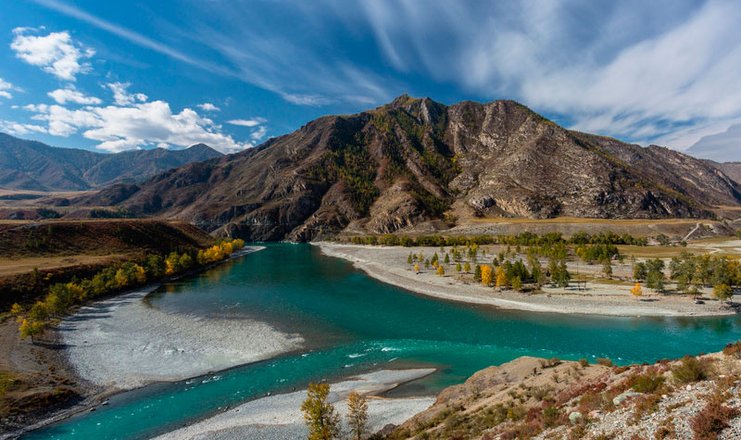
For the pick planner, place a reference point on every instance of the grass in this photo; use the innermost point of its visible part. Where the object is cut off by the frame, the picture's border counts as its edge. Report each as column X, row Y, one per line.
column 7, row 382
column 579, row 220
column 692, row 369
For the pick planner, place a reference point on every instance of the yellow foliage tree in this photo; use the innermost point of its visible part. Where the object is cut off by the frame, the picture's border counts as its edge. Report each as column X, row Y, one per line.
column 440, row 270
column 636, row 290
column 486, row 275
column 501, row 280
column 416, row 268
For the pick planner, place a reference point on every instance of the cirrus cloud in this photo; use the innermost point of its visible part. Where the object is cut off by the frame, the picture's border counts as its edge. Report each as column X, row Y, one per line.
column 55, row 53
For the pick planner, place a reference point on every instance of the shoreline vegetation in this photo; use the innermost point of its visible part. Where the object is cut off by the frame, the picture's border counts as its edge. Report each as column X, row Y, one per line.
column 581, row 274
column 40, row 384
column 61, row 298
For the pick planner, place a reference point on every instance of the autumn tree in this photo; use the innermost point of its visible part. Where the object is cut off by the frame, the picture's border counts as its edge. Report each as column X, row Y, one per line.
column 440, row 270
column 501, row 278
column 636, row 290
column 486, row 275
column 357, row 415
column 319, row 414
column 723, row 292
column 467, row 267
column 416, row 268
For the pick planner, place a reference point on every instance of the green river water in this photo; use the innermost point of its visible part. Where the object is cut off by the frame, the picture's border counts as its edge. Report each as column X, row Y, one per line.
column 352, row 324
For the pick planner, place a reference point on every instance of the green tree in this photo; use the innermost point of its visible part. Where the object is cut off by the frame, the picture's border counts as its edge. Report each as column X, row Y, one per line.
column 409, row 258
column 458, row 267
column 447, row 259
column 607, row 267
column 467, row 267
column 319, row 414
column 517, row 284
column 639, row 271
column 477, row 273
column 357, row 415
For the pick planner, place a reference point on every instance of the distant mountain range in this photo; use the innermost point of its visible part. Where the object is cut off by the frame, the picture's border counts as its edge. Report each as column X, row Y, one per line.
column 732, row 169
column 30, row 165
column 414, row 162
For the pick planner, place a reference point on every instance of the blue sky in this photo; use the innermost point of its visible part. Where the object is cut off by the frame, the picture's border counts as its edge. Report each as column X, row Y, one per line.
column 119, row 75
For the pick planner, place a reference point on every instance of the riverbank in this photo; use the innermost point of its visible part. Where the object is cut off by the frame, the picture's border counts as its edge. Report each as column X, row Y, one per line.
column 279, row 417
column 388, row 264
column 121, row 343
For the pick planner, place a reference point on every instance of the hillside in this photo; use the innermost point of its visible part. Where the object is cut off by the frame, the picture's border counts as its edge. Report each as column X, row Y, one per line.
column 59, row 250
column 731, row 169
column 692, row 398
column 414, row 161
column 30, row 165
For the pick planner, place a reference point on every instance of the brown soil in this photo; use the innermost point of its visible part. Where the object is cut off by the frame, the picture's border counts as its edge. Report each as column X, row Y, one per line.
column 35, row 379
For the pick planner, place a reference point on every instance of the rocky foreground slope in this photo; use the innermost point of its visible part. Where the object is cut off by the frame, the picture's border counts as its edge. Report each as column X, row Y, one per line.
column 415, row 161
column 693, row 398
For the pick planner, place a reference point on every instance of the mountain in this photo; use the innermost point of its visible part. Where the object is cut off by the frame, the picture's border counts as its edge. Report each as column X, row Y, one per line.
column 416, row 160
column 30, row 165
column 731, row 169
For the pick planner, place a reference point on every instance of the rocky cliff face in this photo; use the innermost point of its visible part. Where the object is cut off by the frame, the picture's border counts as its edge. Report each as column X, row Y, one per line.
column 414, row 161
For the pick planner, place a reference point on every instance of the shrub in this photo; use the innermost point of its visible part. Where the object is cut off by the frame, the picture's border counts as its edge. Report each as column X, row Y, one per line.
column 691, row 369
column 604, row 361
column 713, row 418
column 583, row 362
column 649, row 382
column 733, row 349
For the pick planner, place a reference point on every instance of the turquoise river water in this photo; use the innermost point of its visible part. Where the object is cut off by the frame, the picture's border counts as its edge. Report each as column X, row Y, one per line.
column 353, row 324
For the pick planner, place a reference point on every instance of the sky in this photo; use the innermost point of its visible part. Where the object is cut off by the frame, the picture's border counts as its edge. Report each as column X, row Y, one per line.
column 118, row 75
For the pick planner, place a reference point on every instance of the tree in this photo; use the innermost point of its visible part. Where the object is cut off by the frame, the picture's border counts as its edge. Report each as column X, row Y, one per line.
column 477, row 273
column 319, row 414
column 517, row 283
column 467, row 267
column 636, row 290
column 723, row 292
column 607, row 267
column 458, row 267
column 31, row 328
column 486, row 275
column 409, row 258
column 501, row 280
column 416, row 268
column 639, row 271
column 357, row 415
column 440, row 270
column 17, row 311
column 447, row 258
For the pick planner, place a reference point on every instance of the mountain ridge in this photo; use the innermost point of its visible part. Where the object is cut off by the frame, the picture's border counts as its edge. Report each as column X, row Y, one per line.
column 32, row 165
column 415, row 161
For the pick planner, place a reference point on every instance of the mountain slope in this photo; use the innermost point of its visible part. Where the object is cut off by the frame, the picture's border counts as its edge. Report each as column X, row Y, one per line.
column 415, row 160
column 30, row 165
column 731, row 169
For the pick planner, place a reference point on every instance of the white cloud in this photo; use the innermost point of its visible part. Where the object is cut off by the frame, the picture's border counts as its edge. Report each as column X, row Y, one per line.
column 121, row 95
column 70, row 94
column 208, row 107
column 259, row 133
column 55, row 53
column 247, row 122
column 17, row 129
column 120, row 128
column 5, row 89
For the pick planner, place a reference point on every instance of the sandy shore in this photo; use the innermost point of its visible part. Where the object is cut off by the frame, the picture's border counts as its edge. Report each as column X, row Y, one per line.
column 280, row 417
column 123, row 343
column 388, row 264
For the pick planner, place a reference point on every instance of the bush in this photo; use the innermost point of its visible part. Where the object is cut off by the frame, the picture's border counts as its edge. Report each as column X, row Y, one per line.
column 691, row 369
column 604, row 361
column 649, row 382
column 733, row 349
column 712, row 419
column 584, row 363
